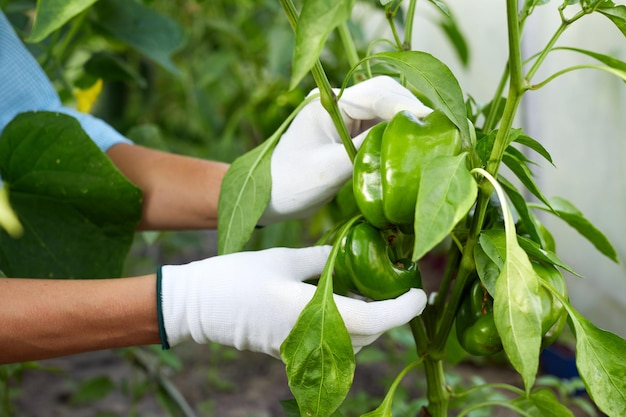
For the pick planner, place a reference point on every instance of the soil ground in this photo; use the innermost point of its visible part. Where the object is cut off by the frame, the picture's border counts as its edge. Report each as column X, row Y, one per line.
column 214, row 381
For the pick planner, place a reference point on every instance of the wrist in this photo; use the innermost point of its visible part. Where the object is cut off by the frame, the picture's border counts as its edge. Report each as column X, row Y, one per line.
column 159, row 300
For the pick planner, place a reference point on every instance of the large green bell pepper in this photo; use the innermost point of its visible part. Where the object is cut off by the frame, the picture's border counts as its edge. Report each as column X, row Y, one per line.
column 365, row 263
column 387, row 167
column 407, row 146
column 367, row 179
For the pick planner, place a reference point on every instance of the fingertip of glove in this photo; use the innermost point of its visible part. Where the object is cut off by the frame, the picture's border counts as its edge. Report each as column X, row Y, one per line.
column 412, row 302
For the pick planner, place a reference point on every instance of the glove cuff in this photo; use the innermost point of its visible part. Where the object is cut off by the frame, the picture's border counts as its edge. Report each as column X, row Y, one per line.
column 159, row 301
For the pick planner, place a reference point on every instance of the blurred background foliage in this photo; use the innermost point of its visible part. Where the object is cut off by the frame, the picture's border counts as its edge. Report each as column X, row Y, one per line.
column 208, row 79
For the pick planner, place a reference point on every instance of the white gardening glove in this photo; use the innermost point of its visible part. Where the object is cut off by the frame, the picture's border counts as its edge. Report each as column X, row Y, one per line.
column 310, row 163
column 251, row 300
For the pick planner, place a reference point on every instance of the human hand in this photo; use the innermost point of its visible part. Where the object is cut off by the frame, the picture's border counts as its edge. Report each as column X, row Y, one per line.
column 310, row 163
column 251, row 300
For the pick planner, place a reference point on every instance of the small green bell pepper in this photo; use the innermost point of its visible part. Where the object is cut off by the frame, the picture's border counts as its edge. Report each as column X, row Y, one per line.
column 364, row 264
column 475, row 325
column 553, row 313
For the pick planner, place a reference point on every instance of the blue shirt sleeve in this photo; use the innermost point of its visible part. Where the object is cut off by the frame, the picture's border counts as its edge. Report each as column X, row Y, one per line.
column 24, row 86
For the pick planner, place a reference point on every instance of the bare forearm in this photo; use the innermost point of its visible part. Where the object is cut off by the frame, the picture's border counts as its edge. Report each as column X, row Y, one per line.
column 179, row 192
column 49, row 318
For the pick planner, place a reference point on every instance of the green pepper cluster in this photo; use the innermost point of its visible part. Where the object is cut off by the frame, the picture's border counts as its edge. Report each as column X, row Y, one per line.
column 386, row 176
column 475, row 326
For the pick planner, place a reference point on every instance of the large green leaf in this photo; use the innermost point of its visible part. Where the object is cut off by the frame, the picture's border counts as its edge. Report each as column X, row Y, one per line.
column 435, row 81
column 517, row 305
column 447, row 192
column 78, row 211
column 143, row 28
column 318, row 352
column 52, row 14
column 600, row 362
column 317, row 20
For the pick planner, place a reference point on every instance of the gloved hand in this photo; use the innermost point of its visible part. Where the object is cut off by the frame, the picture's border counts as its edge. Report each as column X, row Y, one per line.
column 251, row 300
column 310, row 164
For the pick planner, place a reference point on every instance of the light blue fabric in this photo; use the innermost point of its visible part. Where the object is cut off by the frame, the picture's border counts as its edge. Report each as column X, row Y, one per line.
column 24, row 86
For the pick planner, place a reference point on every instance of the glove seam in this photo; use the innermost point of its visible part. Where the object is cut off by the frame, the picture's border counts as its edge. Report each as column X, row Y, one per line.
column 162, row 333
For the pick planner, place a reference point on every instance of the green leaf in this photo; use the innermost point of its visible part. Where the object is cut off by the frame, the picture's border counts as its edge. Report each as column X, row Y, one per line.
column 142, row 28
column 616, row 14
column 318, row 351
column 8, row 219
column 533, row 144
column 110, row 67
column 78, row 211
column 486, row 269
column 447, row 192
column 523, row 173
column 599, row 359
column 521, row 208
column 245, row 192
column 542, row 402
column 484, row 144
column 535, row 251
column 384, row 409
column 93, row 389
column 52, row 14
column 435, row 81
column 608, row 60
column 516, row 302
column 317, row 20
column 572, row 216
column 453, row 33
column 290, row 408
column 490, row 254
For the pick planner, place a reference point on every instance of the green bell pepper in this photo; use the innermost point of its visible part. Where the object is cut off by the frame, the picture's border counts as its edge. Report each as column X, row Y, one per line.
column 407, row 146
column 365, row 263
column 387, row 167
column 475, row 325
column 553, row 313
column 367, row 181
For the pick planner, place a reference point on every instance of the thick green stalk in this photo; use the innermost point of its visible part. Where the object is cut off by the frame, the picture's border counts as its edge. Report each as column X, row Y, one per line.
column 436, row 392
column 327, row 96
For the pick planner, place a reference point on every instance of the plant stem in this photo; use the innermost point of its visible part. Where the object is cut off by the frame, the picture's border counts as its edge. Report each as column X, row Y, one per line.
column 394, row 31
column 350, row 49
column 408, row 26
column 437, row 394
column 467, row 265
column 565, row 23
column 327, row 96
